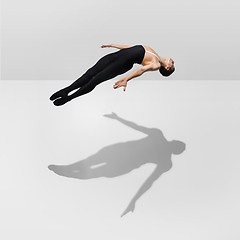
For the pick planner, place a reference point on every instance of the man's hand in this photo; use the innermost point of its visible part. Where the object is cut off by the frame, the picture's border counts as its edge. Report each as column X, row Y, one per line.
column 130, row 208
column 121, row 83
column 112, row 115
column 106, row 45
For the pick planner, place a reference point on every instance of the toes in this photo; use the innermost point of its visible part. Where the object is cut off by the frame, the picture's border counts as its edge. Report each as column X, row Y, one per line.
column 58, row 94
column 60, row 101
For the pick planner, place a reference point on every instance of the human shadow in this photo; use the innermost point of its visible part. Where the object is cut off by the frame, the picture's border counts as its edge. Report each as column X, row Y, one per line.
column 121, row 158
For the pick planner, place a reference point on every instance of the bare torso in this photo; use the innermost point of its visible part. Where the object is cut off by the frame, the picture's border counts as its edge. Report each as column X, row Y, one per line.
column 150, row 58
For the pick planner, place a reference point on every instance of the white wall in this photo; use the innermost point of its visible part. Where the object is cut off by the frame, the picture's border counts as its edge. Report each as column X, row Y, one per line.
column 59, row 40
column 198, row 198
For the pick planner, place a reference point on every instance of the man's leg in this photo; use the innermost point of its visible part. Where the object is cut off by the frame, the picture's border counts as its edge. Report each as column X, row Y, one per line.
column 86, row 77
column 112, row 70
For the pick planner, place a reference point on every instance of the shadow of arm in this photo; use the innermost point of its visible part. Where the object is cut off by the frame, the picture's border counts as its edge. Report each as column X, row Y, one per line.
column 128, row 123
column 146, row 185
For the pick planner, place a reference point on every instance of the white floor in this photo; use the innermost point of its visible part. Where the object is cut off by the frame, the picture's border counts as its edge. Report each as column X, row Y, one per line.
column 197, row 199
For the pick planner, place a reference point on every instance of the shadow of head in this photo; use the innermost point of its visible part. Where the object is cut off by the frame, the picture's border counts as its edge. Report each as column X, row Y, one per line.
column 177, row 147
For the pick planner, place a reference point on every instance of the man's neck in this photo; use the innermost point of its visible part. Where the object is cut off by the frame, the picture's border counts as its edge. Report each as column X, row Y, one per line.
column 163, row 61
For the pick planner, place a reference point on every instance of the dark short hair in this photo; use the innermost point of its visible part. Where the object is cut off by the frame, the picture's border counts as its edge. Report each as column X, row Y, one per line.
column 166, row 72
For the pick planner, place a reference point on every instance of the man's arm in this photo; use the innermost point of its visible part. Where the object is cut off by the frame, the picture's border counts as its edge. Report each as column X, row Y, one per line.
column 136, row 73
column 129, row 123
column 139, row 71
column 115, row 46
column 146, row 185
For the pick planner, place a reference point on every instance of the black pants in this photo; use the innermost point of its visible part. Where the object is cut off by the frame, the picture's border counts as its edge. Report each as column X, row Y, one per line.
column 106, row 68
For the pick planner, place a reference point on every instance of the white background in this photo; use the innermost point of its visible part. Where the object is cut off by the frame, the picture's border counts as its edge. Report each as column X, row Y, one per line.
column 197, row 199
column 59, row 40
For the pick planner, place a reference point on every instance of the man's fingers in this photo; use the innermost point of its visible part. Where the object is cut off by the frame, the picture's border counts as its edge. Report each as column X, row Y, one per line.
column 116, row 84
column 119, row 84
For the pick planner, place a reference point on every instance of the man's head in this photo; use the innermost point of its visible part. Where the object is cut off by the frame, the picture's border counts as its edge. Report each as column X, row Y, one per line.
column 177, row 147
column 168, row 69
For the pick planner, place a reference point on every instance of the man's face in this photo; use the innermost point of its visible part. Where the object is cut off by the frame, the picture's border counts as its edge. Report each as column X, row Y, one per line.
column 170, row 64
